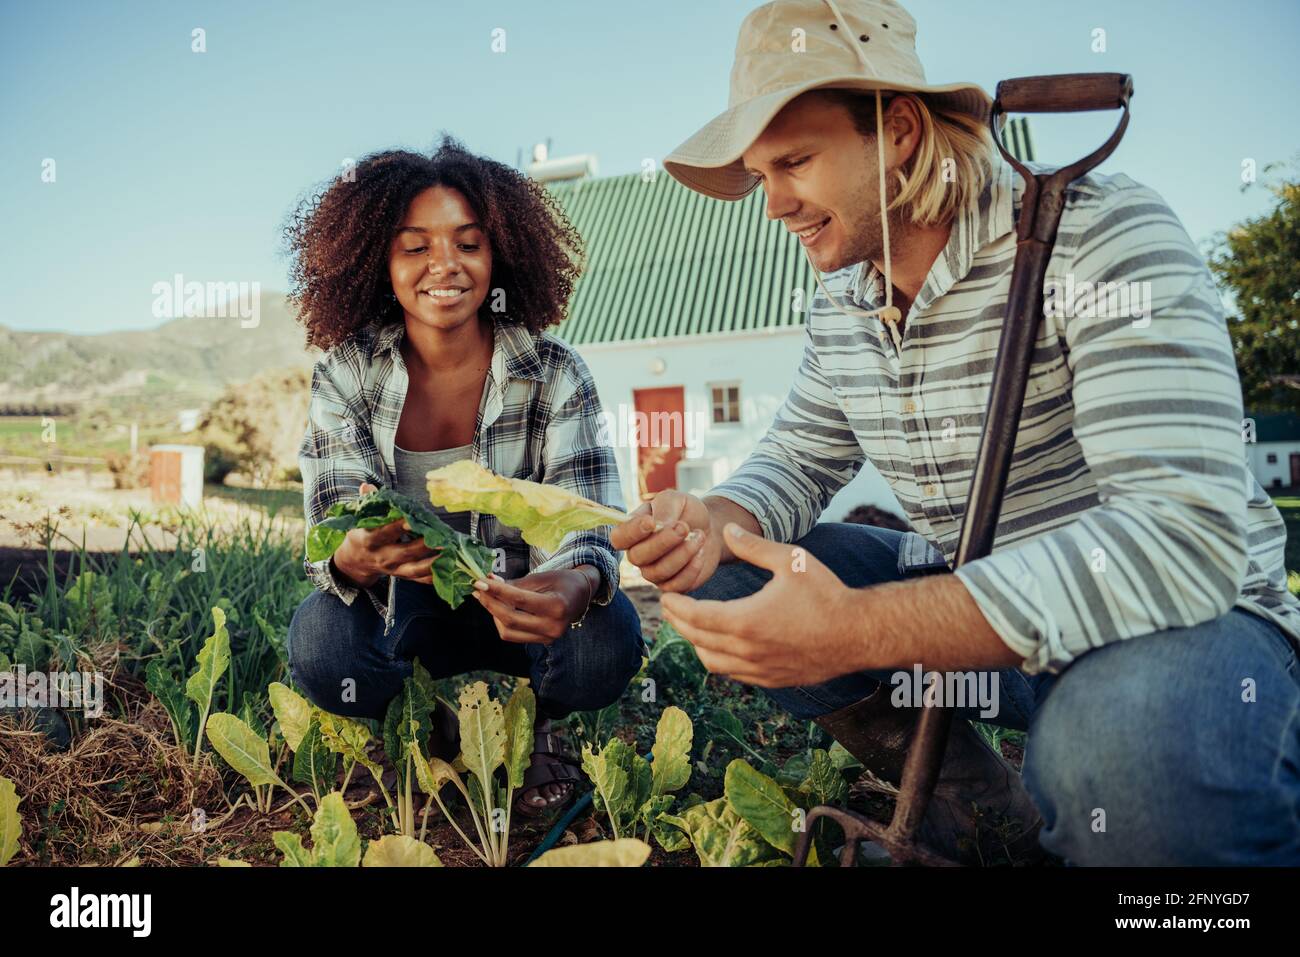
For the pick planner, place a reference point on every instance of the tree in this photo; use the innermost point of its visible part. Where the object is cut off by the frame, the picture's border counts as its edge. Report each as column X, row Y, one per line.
column 1259, row 262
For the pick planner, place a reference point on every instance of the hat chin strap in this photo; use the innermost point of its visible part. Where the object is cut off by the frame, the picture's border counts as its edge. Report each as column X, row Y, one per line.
column 888, row 312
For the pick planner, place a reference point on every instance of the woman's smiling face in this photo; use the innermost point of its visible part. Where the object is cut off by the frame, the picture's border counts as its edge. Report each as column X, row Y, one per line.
column 440, row 260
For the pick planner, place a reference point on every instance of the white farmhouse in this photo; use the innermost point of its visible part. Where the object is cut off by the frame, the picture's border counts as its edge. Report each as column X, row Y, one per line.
column 690, row 316
column 1273, row 449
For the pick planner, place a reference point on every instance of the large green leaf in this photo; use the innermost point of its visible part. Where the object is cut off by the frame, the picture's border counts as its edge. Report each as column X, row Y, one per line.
column 722, row 838
column 610, row 778
column 242, row 748
column 482, row 734
column 292, row 710
column 336, row 842
column 520, row 716
column 624, row 852
column 544, row 514
column 672, row 752
column 11, row 826
column 290, row 845
column 399, row 850
column 762, row 803
column 213, row 660
column 164, row 686
column 314, row 764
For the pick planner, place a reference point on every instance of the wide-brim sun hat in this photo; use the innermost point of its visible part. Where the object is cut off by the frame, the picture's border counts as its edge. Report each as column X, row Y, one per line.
column 789, row 47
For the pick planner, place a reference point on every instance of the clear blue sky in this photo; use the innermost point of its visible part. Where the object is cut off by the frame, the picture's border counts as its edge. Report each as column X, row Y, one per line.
column 171, row 161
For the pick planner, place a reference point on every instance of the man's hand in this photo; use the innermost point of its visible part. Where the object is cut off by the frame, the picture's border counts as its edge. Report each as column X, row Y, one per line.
column 367, row 554
column 541, row 606
column 672, row 540
column 802, row 628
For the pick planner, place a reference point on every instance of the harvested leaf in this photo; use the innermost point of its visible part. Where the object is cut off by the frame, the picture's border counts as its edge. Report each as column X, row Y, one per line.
column 461, row 561
column 543, row 513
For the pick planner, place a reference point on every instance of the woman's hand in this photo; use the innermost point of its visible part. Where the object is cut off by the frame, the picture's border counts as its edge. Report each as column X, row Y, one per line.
column 368, row 554
column 539, row 607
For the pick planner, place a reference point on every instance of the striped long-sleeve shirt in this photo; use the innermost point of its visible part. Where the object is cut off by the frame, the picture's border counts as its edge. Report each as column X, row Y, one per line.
column 1129, row 508
column 539, row 419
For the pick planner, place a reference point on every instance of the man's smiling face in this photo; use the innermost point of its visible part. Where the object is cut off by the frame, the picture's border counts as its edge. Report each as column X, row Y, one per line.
column 820, row 178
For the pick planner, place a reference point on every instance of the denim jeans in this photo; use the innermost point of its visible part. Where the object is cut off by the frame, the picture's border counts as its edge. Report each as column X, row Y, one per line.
column 341, row 658
column 1147, row 751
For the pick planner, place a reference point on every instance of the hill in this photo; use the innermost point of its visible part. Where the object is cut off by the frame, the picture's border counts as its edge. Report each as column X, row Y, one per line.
column 181, row 360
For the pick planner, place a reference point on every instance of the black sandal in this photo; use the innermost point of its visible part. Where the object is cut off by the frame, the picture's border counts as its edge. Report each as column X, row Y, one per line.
column 562, row 768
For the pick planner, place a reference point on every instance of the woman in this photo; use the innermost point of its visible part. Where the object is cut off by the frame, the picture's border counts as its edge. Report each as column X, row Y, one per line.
column 430, row 282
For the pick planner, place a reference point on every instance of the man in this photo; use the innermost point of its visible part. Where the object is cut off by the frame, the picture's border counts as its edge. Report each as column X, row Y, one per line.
column 1134, row 610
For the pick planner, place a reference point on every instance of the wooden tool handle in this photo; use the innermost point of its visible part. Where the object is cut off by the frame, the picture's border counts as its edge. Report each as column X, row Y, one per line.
column 1065, row 92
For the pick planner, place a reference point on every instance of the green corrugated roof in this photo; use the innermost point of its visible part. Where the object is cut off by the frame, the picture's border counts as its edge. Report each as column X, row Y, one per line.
column 663, row 260
column 1275, row 426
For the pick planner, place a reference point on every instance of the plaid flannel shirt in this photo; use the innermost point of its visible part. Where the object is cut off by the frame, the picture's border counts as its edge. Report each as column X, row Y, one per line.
column 539, row 419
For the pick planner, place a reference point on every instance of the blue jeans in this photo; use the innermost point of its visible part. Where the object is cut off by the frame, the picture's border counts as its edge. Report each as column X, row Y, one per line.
column 1141, row 752
column 341, row 658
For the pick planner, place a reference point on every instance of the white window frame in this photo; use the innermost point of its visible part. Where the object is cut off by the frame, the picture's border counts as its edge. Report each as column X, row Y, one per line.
column 714, row 405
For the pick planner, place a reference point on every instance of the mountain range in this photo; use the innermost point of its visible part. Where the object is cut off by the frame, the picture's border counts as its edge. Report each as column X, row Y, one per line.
column 190, row 357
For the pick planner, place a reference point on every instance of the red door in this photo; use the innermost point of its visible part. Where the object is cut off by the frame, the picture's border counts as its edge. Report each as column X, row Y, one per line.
column 1295, row 469
column 660, row 437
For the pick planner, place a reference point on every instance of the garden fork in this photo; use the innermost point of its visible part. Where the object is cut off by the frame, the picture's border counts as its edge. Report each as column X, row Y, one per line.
column 1040, row 214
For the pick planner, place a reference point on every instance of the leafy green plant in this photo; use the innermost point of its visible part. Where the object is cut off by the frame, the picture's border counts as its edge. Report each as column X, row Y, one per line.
column 722, row 838
column 24, row 638
column 248, row 753
column 11, row 826
column 544, row 514
column 674, row 661
column 496, row 745
column 213, row 660
column 635, row 792
column 757, row 821
column 335, row 841
column 461, row 561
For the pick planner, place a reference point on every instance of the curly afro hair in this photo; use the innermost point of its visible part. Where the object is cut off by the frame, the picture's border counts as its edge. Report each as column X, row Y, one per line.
column 338, row 240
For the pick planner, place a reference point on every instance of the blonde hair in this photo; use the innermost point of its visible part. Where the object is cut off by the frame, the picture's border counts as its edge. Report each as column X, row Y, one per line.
column 932, row 189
